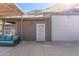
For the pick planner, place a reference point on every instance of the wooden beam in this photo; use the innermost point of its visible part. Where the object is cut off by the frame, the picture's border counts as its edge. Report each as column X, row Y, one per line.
column 9, row 9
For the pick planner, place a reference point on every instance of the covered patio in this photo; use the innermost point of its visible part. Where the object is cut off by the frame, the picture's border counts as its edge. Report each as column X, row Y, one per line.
column 8, row 9
column 7, row 28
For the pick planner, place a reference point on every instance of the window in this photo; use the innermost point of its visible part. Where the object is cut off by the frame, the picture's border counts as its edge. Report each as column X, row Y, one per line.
column 9, row 28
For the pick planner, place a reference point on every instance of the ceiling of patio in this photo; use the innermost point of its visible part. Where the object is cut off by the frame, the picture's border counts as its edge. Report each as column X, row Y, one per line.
column 9, row 9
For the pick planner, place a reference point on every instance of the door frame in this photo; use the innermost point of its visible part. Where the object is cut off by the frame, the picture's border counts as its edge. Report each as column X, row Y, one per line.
column 43, row 29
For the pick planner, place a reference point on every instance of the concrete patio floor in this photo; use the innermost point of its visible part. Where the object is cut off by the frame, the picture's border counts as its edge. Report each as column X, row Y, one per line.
column 26, row 48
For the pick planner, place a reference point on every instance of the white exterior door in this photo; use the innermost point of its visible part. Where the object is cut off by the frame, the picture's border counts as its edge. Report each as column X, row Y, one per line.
column 40, row 32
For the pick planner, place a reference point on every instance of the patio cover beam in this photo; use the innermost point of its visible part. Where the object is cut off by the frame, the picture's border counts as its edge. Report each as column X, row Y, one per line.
column 9, row 9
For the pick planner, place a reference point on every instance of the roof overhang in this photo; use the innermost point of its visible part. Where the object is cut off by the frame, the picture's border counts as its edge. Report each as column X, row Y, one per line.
column 9, row 9
column 60, row 7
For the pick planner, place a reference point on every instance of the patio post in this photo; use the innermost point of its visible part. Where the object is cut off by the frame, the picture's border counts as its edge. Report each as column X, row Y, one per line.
column 2, row 26
column 21, row 26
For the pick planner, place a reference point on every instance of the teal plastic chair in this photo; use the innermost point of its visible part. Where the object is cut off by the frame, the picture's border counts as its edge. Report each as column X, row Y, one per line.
column 8, row 38
column 3, row 37
column 15, row 37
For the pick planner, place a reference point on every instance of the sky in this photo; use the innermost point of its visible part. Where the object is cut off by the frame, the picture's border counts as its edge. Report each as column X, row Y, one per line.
column 27, row 7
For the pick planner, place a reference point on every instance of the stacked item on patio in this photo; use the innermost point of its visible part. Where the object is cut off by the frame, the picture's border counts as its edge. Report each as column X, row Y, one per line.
column 6, row 40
